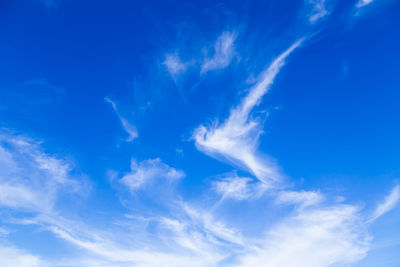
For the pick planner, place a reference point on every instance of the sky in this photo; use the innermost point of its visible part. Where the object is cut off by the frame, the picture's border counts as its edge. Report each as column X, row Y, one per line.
column 199, row 133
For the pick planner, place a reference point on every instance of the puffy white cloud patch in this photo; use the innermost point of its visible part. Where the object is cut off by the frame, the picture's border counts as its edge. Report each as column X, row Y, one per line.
column 11, row 257
column 175, row 65
column 147, row 171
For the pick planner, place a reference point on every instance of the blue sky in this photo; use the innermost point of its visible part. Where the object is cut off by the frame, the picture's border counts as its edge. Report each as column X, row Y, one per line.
column 199, row 133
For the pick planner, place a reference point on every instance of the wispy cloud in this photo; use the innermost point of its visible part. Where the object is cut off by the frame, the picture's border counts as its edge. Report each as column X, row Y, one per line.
column 175, row 66
column 314, row 238
column 189, row 238
column 11, row 257
column 30, row 179
column 239, row 188
column 301, row 198
column 224, row 52
column 236, row 139
column 388, row 203
column 318, row 10
column 128, row 127
column 309, row 232
column 314, row 235
column 214, row 227
column 147, row 171
column 362, row 3
column 31, row 183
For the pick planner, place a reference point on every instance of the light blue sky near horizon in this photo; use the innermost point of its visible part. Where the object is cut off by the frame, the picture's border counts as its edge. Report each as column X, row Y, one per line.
column 229, row 133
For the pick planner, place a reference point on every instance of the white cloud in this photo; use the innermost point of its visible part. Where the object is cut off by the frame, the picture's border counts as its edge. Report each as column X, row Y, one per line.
column 301, row 198
column 11, row 257
column 362, row 3
column 213, row 227
column 175, row 65
column 224, row 52
column 318, row 10
column 319, row 237
column 312, row 237
column 238, row 188
column 177, row 244
column 236, row 139
column 315, row 237
column 389, row 203
column 30, row 179
column 147, row 171
column 128, row 127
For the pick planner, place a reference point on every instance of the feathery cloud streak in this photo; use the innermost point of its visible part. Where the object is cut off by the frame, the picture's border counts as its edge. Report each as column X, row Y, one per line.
column 223, row 53
column 389, row 203
column 314, row 238
column 236, row 139
column 29, row 178
column 318, row 10
column 128, row 127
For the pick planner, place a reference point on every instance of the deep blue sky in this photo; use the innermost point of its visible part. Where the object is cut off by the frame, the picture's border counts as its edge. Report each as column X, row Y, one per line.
column 116, row 91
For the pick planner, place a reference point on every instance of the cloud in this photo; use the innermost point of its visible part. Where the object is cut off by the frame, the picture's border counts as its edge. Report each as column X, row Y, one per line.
column 311, row 234
column 213, row 227
column 236, row 139
column 362, row 3
column 11, row 257
column 313, row 238
column 174, row 65
column 128, row 127
column 301, row 198
column 388, row 203
column 238, row 188
column 177, row 242
column 221, row 56
column 224, row 52
column 318, row 10
column 31, row 179
column 147, row 171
